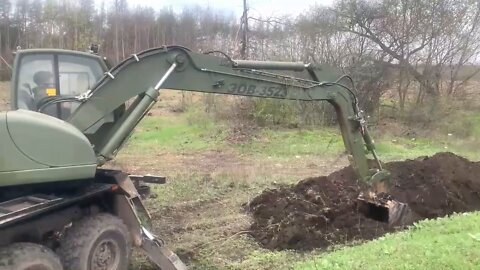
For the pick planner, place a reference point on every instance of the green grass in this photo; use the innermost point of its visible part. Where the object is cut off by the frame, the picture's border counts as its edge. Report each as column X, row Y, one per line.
column 291, row 143
column 448, row 243
column 461, row 123
column 405, row 148
column 186, row 132
column 475, row 121
column 328, row 141
column 194, row 131
column 191, row 186
column 265, row 259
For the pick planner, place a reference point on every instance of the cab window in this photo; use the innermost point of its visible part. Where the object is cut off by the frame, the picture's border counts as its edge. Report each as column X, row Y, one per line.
column 44, row 78
column 76, row 76
column 36, row 80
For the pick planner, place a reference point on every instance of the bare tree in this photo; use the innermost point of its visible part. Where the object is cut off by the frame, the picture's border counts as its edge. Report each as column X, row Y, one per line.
column 420, row 37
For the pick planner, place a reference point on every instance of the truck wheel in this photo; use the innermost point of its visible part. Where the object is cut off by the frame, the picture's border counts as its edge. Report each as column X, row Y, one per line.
column 28, row 256
column 99, row 242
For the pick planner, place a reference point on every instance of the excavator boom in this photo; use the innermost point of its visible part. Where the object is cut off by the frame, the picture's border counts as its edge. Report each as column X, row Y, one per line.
column 142, row 75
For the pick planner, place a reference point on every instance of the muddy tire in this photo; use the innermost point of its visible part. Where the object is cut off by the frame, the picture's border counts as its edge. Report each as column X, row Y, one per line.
column 28, row 256
column 99, row 242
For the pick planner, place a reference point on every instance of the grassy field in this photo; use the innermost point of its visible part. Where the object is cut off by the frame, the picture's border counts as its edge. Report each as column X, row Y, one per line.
column 200, row 211
column 442, row 244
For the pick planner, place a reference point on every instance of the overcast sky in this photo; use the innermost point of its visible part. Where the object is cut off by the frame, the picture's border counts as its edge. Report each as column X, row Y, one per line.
column 258, row 7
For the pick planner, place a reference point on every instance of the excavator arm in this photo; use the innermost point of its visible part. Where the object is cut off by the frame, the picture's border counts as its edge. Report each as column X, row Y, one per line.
column 141, row 76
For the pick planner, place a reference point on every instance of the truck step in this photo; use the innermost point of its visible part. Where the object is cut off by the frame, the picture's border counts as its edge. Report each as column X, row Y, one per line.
column 21, row 208
column 26, row 203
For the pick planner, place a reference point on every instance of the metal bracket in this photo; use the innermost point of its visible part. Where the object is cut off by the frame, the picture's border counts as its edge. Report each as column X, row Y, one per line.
column 159, row 254
column 84, row 96
column 219, row 84
column 110, row 75
column 150, row 179
column 140, row 182
column 136, row 57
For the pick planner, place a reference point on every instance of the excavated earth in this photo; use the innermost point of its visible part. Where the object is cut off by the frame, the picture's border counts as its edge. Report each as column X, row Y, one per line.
column 322, row 211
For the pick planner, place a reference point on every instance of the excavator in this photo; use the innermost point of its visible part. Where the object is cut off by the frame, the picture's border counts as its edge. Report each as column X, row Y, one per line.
column 71, row 114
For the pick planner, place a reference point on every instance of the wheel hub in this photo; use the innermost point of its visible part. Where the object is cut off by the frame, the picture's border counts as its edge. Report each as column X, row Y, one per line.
column 106, row 256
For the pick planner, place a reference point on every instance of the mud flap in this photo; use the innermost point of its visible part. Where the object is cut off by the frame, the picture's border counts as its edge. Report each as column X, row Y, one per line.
column 160, row 255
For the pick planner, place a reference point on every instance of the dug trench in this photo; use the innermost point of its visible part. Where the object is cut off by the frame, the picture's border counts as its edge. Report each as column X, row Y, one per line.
column 321, row 212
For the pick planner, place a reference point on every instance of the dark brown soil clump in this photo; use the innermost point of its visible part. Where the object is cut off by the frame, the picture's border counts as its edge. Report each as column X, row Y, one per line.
column 322, row 211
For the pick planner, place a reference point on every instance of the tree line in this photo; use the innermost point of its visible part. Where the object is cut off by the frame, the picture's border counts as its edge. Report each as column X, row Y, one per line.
column 420, row 49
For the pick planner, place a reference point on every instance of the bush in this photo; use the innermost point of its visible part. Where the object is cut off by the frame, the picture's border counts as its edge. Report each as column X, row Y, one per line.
column 267, row 112
column 443, row 116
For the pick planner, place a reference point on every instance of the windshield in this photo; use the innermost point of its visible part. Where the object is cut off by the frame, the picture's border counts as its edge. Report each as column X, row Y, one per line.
column 35, row 80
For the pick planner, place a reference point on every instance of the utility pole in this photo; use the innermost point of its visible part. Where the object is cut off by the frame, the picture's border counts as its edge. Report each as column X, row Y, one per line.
column 244, row 23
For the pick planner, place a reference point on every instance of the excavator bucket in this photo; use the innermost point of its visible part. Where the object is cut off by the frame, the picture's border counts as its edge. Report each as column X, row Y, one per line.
column 385, row 210
column 378, row 205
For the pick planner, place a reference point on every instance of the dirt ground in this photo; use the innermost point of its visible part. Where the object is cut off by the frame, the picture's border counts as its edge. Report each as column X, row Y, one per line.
column 321, row 212
column 228, row 162
column 196, row 225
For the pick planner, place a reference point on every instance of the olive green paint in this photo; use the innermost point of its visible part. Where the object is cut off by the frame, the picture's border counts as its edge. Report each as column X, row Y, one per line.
column 40, row 148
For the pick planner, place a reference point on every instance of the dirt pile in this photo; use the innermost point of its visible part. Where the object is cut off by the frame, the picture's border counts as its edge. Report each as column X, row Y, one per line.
column 319, row 212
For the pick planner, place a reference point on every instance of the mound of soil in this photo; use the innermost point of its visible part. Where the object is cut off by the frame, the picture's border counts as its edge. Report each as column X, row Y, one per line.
column 322, row 211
